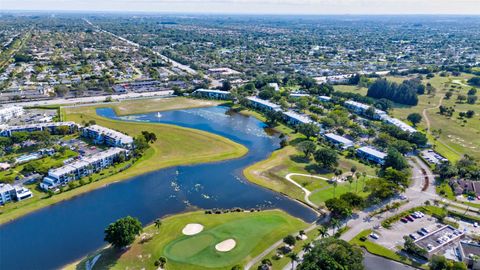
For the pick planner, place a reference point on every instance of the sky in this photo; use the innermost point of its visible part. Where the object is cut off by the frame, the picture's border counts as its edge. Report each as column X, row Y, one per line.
column 254, row 6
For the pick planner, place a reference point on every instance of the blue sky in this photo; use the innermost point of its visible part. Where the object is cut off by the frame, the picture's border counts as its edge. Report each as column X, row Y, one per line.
column 256, row 6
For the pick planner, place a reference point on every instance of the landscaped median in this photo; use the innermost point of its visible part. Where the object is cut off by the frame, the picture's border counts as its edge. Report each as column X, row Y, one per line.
column 252, row 232
column 175, row 146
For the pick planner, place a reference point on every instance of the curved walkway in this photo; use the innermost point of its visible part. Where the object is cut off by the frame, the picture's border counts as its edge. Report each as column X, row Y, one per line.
column 306, row 191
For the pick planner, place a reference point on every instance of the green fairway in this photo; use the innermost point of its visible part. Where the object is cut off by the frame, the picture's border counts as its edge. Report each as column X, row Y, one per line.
column 252, row 231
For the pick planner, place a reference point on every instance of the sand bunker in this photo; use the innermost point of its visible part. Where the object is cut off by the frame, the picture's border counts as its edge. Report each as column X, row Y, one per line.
column 192, row 229
column 226, row 245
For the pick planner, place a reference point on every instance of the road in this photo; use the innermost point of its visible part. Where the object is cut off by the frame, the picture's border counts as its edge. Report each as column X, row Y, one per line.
column 362, row 221
column 94, row 99
column 175, row 64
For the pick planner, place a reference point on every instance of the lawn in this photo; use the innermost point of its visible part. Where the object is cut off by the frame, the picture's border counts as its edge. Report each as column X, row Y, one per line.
column 175, row 146
column 253, row 233
column 270, row 173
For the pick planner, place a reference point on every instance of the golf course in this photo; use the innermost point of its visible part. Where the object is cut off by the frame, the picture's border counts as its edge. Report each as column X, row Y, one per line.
column 251, row 231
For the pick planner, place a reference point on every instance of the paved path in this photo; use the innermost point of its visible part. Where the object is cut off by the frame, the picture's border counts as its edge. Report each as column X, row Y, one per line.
column 306, row 191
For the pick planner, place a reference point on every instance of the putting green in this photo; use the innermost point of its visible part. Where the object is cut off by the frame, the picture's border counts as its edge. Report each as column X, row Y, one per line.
column 200, row 249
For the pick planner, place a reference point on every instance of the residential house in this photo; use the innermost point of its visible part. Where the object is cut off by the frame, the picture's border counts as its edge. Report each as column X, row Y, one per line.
column 371, row 154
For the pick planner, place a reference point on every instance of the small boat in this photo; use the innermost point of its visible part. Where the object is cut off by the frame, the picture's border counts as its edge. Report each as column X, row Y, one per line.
column 159, row 115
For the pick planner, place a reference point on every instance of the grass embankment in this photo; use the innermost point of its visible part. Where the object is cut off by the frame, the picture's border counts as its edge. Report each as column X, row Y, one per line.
column 253, row 233
column 379, row 250
column 271, row 173
column 175, row 146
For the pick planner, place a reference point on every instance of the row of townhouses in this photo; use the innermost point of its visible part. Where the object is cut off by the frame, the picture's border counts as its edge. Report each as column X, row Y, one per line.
column 52, row 127
column 81, row 168
column 9, row 193
column 212, row 94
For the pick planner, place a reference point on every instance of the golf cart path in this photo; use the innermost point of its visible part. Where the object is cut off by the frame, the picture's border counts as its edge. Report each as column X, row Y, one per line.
column 306, row 191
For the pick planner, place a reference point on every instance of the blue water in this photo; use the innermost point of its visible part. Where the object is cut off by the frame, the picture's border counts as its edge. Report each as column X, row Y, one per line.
column 62, row 233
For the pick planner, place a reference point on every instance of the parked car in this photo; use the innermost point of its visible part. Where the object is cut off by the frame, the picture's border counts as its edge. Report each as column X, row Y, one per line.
column 404, row 220
column 374, row 236
column 475, row 224
column 421, row 232
column 412, row 236
column 425, row 230
column 409, row 218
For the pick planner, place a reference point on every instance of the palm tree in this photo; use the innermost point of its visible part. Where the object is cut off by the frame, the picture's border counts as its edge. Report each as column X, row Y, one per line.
column 357, row 175
column 158, row 223
column 350, row 180
column 334, row 223
column 323, row 231
column 335, row 184
column 307, row 247
column 294, row 258
column 364, row 174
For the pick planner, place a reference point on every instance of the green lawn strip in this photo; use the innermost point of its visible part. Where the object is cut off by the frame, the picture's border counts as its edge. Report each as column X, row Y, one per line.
column 381, row 251
column 175, row 146
column 253, row 232
column 342, row 188
column 279, row 263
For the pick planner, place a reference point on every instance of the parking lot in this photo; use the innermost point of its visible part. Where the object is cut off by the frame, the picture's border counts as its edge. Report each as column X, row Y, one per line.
column 33, row 116
column 82, row 147
column 390, row 238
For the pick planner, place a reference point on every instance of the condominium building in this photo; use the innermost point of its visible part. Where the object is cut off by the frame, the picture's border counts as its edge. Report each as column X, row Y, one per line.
column 338, row 140
column 9, row 193
column 51, row 127
column 7, row 113
column 398, row 123
column 360, row 108
column 293, row 118
column 263, row 105
column 103, row 135
column 371, row 154
column 214, row 94
column 81, row 168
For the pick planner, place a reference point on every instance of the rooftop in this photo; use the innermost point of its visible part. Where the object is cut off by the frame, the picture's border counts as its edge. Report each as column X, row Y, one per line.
column 372, row 151
column 339, row 138
column 300, row 117
column 264, row 102
column 111, row 133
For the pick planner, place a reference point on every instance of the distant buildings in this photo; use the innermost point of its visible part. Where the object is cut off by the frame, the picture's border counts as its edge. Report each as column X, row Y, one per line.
column 110, row 137
column 263, row 105
column 339, row 141
column 212, row 94
column 9, row 193
column 324, row 98
column 371, row 154
column 403, row 126
column 7, row 113
column 52, row 127
column 81, row 168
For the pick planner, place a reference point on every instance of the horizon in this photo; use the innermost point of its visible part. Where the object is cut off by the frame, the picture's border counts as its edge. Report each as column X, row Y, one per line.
column 251, row 7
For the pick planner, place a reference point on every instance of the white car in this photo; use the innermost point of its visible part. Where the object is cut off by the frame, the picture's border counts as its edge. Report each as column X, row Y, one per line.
column 475, row 224
column 374, row 236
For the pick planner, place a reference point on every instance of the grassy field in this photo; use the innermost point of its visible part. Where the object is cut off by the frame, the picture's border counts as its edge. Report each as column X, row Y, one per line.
column 457, row 136
column 253, row 232
column 175, row 146
column 270, row 173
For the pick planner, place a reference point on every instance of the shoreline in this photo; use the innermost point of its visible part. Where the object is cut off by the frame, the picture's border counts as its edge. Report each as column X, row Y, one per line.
column 238, row 151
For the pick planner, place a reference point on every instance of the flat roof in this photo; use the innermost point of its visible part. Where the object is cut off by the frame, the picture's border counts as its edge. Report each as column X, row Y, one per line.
column 264, row 102
column 339, row 138
column 212, row 91
column 439, row 238
column 300, row 117
column 111, row 133
column 38, row 125
column 400, row 124
column 372, row 151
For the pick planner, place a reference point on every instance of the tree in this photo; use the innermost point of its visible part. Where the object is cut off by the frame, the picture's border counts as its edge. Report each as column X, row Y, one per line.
column 158, row 223
column 395, row 160
column 339, row 208
column 122, row 232
column 326, row 157
column 294, row 258
column 309, row 130
column 323, row 231
column 226, row 86
column 415, row 118
column 441, row 263
column 307, row 247
column 307, row 147
column 236, row 267
column 352, row 199
column 161, row 262
column 331, row 253
column 289, row 240
column 472, row 99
